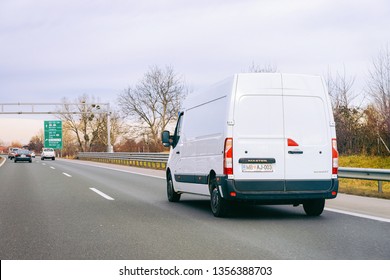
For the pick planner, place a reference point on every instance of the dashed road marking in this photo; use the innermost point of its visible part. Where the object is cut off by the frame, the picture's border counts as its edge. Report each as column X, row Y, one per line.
column 102, row 194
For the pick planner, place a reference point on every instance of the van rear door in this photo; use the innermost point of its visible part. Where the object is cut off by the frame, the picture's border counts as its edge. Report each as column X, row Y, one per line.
column 258, row 133
column 308, row 136
column 282, row 139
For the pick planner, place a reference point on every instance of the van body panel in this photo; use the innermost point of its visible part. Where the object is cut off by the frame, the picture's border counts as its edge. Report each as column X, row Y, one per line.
column 200, row 148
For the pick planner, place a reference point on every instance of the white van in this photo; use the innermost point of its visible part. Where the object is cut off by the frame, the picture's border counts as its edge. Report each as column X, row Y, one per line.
column 267, row 138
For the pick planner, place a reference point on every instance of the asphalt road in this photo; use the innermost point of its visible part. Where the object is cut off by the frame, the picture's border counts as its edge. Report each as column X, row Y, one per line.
column 66, row 210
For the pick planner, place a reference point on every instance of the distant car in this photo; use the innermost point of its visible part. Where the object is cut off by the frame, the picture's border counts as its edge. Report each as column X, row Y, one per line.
column 11, row 152
column 48, row 153
column 22, row 155
column 33, row 154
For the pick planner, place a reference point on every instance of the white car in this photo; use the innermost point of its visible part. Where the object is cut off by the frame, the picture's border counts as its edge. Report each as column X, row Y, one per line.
column 11, row 153
column 48, row 153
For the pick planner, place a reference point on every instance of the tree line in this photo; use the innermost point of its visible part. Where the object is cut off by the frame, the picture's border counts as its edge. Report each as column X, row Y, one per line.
column 152, row 105
column 363, row 129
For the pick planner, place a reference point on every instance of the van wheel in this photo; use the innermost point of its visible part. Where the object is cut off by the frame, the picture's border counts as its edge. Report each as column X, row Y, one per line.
column 172, row 195
column 219, row 206
column 314, row 207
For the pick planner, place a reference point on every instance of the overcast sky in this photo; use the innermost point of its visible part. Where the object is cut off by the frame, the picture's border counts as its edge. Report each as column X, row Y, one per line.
column 65, row 48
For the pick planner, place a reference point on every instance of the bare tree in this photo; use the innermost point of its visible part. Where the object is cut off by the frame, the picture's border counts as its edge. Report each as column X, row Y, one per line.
column 378, row 88
column 346, row 115
column 36, row 142
column 16, row 144
column 89, row 126
column 340, row 89
column 154, row 102
column 83, row 125
column 267, row 68
column 70, row 144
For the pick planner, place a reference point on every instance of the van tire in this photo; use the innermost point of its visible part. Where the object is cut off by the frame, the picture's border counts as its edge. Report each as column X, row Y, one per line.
column 219, row 206
column 172, row 195
column 314, row 207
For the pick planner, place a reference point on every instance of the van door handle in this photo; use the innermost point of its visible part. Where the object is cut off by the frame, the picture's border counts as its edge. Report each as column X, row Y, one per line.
column 295, row 152
column 178, row 152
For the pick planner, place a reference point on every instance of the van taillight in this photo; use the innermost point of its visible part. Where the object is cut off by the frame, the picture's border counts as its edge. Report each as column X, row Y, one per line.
column 228, row 157
column 292, row 143
column 335, row 157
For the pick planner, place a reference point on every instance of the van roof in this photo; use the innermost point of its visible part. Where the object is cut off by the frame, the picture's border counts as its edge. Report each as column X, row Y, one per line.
column 251, row 81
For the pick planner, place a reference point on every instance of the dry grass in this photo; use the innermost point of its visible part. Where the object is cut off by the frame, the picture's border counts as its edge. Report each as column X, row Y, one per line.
column 364, row 187
column 365, row 161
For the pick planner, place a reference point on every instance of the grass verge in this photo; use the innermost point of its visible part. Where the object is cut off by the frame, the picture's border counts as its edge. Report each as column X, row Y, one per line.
column 364, row 187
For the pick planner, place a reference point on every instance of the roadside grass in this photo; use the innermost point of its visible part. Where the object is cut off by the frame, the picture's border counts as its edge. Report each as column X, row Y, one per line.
column 364, row 187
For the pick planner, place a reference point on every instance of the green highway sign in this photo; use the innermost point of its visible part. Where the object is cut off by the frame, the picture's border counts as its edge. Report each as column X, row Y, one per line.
column 53, row 134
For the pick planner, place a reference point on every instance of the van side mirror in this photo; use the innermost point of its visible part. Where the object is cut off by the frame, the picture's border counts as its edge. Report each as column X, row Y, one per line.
column 166, row 138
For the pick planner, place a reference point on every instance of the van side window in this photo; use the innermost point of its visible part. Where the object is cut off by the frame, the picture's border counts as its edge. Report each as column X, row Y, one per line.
column 176, row 136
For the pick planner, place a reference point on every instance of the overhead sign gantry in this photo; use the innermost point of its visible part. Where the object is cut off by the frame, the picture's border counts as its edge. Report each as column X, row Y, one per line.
column 53, row 131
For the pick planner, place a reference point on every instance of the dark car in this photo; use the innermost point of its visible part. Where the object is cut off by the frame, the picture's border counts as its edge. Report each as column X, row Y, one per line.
column 22, row 155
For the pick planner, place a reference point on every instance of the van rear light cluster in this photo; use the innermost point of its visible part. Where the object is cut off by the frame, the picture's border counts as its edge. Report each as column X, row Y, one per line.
column 292, row 143
column 335, row 157
column 228, row 157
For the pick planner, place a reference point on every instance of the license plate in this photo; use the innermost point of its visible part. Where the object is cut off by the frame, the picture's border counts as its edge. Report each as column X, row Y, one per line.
column 23, row 156
column 257, row 168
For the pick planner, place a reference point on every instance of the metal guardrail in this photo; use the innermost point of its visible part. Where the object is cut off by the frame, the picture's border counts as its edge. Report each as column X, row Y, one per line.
column 379, row 175
column 159, row 160
column 147, row 160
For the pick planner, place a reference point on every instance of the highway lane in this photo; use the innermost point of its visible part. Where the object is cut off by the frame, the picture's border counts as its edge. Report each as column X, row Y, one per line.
column 48, row 210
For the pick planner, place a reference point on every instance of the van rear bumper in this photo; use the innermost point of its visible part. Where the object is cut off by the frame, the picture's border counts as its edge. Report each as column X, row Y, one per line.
column 278, row 192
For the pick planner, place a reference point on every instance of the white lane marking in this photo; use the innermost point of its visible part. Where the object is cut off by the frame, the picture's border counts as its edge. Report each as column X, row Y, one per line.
column 43, row 163
column 1, row 164
column 52, row 167
column 66, row 174
column 358, row 215
column 102, row 194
